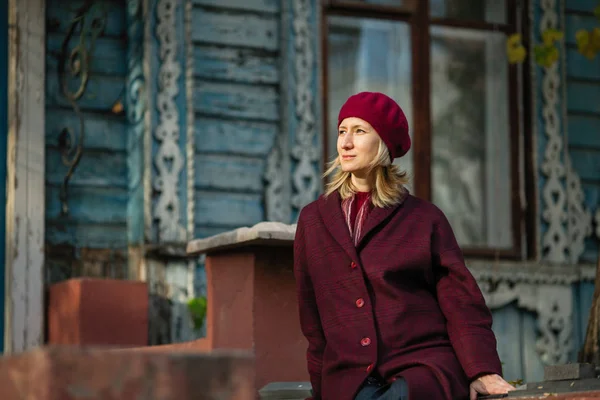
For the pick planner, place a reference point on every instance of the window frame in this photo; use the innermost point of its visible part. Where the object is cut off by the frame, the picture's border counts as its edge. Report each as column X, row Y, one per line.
column 522, row 174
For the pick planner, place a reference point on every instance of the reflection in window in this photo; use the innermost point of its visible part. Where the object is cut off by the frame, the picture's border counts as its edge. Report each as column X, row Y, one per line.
column 470, row 137
column 367, row 55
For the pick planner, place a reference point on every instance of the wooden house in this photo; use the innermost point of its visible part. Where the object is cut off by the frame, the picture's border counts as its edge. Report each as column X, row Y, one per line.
column 134, row 126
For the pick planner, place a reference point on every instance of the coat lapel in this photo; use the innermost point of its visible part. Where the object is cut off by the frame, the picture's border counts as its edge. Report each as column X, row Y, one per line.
column 374, row 219
column 377, row 216
column 331, row 212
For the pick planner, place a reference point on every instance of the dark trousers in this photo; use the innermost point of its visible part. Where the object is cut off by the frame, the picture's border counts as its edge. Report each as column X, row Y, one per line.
column 374, row 388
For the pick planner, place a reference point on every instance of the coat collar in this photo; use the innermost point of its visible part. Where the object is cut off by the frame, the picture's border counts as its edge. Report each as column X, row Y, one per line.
column 331, row 212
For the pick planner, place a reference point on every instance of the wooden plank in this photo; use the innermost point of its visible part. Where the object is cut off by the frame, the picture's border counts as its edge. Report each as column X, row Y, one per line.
column 584, row 131
column 590, row 251
column 24, row 311
column 586, row 163
column 235, row 29
column 508, row 331
column 96, row 168
column 574, row 23
column 228, row 209
column 237, row 100
column 235, row 64
column 87, row 205
column 101, row 93
column 579, row 67
column 228, row 172
column 579, row 95
column 237, row 137
column 580, row 6
column 533, row 368
column 204, row 231
column 105, row 236
column 102, row 131
column 59, row 14
column 267, row 6
column 108, row 58
column 584, row 294
column 592, row 194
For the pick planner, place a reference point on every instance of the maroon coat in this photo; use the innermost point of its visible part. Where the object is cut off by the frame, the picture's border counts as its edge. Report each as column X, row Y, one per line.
column 401, row 302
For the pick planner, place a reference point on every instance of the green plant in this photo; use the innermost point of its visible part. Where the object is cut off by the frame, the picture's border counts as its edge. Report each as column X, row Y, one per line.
column 197, row 309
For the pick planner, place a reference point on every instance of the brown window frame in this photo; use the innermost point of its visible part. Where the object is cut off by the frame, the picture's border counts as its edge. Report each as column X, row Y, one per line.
column 523, row 221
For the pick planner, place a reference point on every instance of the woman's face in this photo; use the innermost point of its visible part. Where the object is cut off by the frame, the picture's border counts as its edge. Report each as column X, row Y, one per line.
column 357, row 145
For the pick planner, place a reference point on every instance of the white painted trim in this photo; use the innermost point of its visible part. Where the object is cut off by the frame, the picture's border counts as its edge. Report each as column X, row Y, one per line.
column 25, row 206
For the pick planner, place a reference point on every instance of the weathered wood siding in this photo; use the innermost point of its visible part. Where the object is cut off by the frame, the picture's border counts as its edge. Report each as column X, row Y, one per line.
column 583, row 104
column 236, row 101
column 98, row 189
column 3, row 153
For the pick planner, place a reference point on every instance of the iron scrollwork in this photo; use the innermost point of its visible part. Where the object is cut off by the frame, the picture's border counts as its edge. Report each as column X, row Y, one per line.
column 74, row 67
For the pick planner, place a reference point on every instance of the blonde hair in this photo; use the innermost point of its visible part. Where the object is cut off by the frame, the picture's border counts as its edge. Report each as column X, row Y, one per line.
column 389, row 179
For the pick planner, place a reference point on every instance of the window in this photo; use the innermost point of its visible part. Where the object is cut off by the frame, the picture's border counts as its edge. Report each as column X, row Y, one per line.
column 444, row 62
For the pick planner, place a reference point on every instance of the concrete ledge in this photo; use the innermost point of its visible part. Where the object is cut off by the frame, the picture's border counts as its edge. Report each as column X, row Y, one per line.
column 66, row 373
column 263, row 233
column 286, row 391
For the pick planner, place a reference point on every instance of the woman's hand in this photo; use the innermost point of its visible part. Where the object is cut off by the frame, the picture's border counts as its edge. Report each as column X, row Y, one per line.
column 489, row 384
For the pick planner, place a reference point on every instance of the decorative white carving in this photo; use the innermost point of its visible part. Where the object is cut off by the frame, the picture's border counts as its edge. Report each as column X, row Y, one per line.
column 189, row 91
column 579, row 223
column 277, row 198
column 555, row 240
column 532, row 272
column 169, row 158
column 306, row 149
column 551, row 302
column 580, row 218
column 136, row 106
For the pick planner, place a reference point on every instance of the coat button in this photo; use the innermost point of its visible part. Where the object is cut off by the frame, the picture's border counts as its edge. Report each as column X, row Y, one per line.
column 353, row 265
column 360, row 303
column 370, row 368
column 365, row 342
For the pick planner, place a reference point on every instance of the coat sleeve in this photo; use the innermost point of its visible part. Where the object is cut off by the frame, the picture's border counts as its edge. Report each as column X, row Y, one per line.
column 310, row 321
column 469, row 320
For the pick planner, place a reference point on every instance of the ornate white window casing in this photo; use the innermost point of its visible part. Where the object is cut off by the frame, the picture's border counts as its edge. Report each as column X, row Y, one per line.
column 301, row 119
column 543, row 289
column 169, row 156
column 564, row 210
column 169, row 159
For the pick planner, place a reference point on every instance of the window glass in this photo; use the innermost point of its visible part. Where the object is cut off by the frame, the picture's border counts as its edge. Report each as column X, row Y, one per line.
column 367, row 55
column 471, row 166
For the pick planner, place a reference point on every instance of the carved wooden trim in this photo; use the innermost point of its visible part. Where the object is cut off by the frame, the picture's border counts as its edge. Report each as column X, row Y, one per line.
column 301, row 120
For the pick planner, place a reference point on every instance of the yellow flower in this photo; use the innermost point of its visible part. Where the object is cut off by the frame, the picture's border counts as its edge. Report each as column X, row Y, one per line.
column 514, row 49
column 117, row 108
column 588, row 43
column 549, row 36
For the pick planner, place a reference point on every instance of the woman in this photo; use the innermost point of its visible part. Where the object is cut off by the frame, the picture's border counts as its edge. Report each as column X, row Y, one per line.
column 386, row 302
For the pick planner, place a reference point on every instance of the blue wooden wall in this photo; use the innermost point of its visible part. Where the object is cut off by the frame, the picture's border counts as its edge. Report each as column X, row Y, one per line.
column 3, row 158
column 98, row 190
column 583, row 120
column 236, row 101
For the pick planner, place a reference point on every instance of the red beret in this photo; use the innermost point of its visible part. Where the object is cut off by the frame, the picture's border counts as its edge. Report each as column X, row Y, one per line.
column 384, row 115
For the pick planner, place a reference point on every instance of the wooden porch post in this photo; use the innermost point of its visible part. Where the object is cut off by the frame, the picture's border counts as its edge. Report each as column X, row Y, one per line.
column 24, row 315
